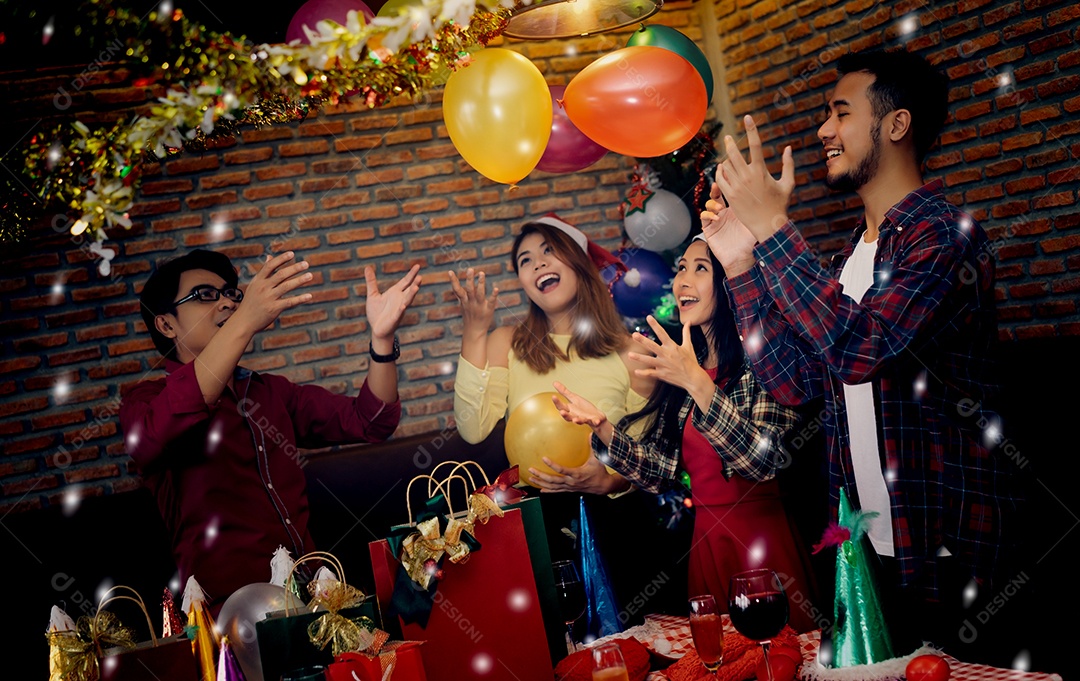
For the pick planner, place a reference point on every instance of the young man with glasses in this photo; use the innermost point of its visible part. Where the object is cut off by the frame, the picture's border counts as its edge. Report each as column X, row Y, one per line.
column 219, row 445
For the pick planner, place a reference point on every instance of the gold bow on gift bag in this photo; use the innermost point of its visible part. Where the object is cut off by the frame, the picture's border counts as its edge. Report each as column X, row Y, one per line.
column 80, row 652
column 332, row 628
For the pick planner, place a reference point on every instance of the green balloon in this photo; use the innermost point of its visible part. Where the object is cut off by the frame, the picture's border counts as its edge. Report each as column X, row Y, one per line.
column 673, row 41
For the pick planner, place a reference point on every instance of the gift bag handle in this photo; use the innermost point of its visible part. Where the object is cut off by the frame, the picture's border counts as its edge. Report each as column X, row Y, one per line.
column 434, row 481
column 464, row 466
column 290, row 581
column 443, row 486
column 137, row 599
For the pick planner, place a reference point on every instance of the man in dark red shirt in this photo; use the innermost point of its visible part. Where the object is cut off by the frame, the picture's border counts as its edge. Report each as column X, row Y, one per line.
column 219, row 445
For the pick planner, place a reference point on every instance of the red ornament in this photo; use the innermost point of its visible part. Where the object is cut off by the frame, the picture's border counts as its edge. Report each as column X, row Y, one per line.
column 927, row 668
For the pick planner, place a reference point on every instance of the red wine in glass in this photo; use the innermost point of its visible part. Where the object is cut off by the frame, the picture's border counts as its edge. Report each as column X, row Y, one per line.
column 758, row 607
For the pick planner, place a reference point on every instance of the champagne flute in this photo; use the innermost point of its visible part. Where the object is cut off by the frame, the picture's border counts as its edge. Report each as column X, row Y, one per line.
column 708, row 631
column 758, row 607
column 571, row 597
column 608, row 663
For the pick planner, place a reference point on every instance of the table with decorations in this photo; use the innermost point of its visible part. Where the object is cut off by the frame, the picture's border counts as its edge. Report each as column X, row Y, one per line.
column 668, row 639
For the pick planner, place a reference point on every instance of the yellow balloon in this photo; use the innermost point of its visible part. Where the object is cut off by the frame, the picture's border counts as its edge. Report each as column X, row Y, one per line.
column 536, row 430
column 498, row 113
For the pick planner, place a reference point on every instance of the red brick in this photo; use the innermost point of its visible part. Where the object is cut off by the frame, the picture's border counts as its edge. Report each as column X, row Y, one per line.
column 321, row 128
column 207, row 200
column 281, row 171
column 127, row 366
column 367, row 178
column 316, row 354
column 220, row 180
column 244, row 156
column 23, row 487
column 154, row 207
column 270, row 228
column 1064, row 243
column 179, row 222
column 130, row 346
column 99, row 332
column 302, row 318
column 289, row 208
column 268, row 134
column 338, row 200
column 23, row 406
column 91, row 473
column 308, row 148
column 1053, row 200
column 349, row 235
column 189, row 164
column 284, row 340
column 320, row 221
column 37, row 343
column 380, row 249
column 398, row 194
column 236, row 214
column 1049, row 42
column 324, row 184
column 165, row 187
column 1025, row 184
column 346, row 144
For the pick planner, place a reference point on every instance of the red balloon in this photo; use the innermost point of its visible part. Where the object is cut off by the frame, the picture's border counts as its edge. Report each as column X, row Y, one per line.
column 927, row 668
column 568, row 149
column 314, row 11
column 638, row 101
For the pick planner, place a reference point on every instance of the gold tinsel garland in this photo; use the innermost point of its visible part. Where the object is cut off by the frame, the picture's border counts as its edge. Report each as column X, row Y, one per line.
column 216, row 83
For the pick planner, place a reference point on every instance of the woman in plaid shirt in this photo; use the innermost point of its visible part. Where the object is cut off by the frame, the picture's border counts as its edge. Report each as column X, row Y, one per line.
column 710, row 417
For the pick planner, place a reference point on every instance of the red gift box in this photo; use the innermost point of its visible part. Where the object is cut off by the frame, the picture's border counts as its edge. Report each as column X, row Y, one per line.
column 401, row 658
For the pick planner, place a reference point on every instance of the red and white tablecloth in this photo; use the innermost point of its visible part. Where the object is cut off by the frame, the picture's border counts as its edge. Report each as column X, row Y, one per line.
column 669, row 636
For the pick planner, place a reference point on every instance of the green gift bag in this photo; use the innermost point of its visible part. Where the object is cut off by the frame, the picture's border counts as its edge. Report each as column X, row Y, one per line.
column 285, row 637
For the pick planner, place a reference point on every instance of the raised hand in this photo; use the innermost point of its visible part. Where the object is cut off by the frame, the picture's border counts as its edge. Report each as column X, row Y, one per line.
column 670, row 362
column 577, row 409
column 758, row 200
column 728, row 238
column 265, row 297
column 477, row 308
column 385, row 309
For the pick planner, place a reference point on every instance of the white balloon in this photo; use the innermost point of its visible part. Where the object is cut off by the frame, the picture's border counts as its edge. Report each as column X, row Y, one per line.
column 246, row 606
column 663, row 225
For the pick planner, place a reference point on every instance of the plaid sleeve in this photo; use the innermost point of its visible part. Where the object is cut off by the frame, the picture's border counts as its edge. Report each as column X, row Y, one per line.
column 746, row 429
column 784, row 363
column 856, row 340
column 648, row 465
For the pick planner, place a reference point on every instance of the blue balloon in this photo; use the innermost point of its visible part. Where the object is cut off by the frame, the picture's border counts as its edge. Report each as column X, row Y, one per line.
column 639, row 291
column 674, row 41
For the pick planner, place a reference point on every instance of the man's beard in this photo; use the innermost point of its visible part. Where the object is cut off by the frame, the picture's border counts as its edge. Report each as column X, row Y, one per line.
column 864, row 172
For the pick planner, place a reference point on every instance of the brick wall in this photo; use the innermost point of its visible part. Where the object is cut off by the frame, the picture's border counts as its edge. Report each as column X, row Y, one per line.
column 386, row 187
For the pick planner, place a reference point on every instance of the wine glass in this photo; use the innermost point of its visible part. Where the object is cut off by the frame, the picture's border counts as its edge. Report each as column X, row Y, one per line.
column 608, row 663
column 571, row 597
column 708, row 631
column 758, row 607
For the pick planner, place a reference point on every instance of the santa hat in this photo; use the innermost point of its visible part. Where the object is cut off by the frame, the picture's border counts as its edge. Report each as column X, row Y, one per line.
column 600, row 256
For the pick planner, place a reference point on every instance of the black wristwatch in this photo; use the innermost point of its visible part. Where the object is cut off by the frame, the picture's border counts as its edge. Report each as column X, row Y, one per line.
column 384, row 359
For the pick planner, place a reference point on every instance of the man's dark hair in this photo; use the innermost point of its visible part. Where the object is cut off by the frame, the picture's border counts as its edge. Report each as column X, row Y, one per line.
column 903, row 80
column 162, row 289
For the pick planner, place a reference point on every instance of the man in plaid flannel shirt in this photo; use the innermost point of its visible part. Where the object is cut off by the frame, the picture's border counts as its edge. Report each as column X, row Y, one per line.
column 897, row 336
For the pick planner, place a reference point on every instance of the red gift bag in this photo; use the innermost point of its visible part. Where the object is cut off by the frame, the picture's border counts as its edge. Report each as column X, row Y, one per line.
column 401, row 658
column 486, row 622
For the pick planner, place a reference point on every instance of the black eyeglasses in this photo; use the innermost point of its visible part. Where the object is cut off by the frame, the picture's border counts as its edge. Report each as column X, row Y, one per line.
column 209, row 294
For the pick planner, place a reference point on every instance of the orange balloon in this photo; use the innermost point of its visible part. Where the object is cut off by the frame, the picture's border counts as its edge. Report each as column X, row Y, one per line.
column 639, row 101
column 535, row 429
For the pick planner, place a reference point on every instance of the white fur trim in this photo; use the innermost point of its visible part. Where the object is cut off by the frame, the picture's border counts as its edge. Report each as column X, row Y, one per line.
column 570, row 230
column 889, row 670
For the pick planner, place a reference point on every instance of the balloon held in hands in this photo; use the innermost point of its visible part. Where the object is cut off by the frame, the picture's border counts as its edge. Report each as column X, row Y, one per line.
column 535, row 430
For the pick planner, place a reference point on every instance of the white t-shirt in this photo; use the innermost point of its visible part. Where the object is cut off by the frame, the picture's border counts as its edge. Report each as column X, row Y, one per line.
column 856, row 278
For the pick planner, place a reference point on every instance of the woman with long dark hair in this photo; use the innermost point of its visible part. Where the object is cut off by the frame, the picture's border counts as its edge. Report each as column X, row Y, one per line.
column 709, row 417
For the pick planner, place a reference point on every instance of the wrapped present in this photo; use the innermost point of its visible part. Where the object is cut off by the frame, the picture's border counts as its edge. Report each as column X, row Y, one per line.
column 483, row 617
column 338, row 619
column 395, row 661
column 100, row 647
